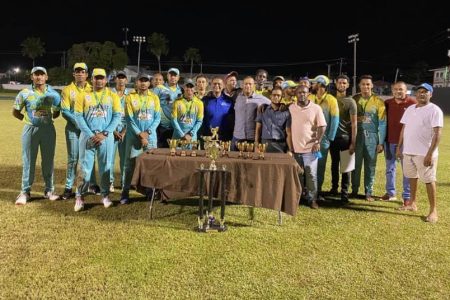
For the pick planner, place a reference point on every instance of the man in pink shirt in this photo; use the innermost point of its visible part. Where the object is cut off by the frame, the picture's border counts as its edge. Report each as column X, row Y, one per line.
column 304, row 135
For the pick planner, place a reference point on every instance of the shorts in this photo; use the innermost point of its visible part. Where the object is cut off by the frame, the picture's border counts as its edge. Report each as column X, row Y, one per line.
column 413, row 168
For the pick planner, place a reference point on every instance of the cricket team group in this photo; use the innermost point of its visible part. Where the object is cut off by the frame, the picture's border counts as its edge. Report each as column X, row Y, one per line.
column 303, row 119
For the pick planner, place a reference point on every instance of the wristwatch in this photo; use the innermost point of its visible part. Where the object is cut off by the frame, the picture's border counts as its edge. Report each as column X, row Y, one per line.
column 105, row 133
column 149, row 131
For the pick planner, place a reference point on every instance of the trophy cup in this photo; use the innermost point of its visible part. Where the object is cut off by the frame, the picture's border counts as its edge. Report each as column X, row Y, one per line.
column 172, row 146
column 241, row 147
column 183, row 146
column 249, row 148
column 194, row 148
column 261, row 150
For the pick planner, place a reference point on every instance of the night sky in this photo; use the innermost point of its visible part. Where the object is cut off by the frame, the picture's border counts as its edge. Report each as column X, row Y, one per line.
column 236, row 36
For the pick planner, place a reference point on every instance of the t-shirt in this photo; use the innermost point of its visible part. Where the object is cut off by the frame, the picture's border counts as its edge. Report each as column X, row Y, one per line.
column 274, row 123
column 304, row 124
column 347, row 108
column 394, row 112
column 419, row 123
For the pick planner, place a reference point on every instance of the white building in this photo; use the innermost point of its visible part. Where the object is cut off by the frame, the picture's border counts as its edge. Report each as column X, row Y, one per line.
column 441, row 77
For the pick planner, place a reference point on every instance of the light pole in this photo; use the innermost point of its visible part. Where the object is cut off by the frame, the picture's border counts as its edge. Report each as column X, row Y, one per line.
column 125, row 42
column 354, row 38
column 140, row 40
column 16, row 71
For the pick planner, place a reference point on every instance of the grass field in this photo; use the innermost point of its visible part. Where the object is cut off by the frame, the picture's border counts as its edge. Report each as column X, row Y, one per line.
column 362, row 251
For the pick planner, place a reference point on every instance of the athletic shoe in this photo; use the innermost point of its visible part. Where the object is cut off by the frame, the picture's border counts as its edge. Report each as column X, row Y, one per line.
column 22, row 198
column 124, row 200
column 107, row 202
column 79, row 204
column 387, row 197
column 67, row 194
column 111, row 188
column 94, row 189
column 51, row 196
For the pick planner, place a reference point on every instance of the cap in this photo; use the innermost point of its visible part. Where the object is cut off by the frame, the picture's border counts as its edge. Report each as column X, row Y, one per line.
column 288, row 84
column 278, row 77
column 143, row 75
column 304, row 78
column 232, row 73
column 42, row 69
column 121, row 73
column 80, row 65
column 189, row 82
column 426, row 86
column 322, row 79
column 98, row 72
column 174, row 70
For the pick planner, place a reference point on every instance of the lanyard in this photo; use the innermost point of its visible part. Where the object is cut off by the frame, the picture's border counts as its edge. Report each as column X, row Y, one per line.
column 144, row 103
column 99, row 103
column 188, row 113
column 364, row 107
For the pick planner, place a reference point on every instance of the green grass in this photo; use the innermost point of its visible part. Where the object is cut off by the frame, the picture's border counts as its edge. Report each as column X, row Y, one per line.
column 363, row 251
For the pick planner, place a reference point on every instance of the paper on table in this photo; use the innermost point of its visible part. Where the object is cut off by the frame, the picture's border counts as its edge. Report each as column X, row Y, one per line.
column 347, row 161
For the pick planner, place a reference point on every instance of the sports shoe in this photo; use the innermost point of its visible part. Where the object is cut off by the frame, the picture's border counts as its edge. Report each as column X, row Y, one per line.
column 314, row 204
column 333, row 192
column 111, row 187
column 387, row 197
column 79, row 204
column 107, row 202
column 94, row 189
column 50, row 195
column 124, row 200
column 67, row 194
column 22, row 198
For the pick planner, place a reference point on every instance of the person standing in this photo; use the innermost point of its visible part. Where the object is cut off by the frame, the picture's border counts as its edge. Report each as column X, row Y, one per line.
column 304, row 137
column 370, row 136
column 97, row 114
column 41, row 104
column 201, row 86
column 418, row 144
column 395, row 107
column 345, row 136
column 260, row 78
column 143, row 114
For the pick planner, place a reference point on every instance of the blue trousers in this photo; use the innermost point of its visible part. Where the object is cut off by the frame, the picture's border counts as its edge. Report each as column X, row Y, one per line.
column 308, row 180
column 321, row 165
column 72, row 144
column 34, row 138
column 391, row 167
column 88, row 153
column 365, row 152
column 118, row 147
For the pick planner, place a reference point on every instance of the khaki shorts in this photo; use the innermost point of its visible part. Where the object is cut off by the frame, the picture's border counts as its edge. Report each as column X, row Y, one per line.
column 413, row 168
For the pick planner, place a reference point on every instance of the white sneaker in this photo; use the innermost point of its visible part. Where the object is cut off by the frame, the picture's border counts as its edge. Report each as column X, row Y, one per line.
column 107, row 202
column 22, row 198
column 79, row 204
column 51, row 196
column 111, row 188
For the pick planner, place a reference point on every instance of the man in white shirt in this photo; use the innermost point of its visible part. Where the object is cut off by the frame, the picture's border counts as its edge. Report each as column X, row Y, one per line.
column 420, row 136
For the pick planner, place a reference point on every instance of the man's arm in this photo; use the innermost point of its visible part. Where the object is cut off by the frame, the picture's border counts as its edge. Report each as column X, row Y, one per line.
column 320, row 133
column 257, row 132
column 17, row 114
column 437, row 131
column 289, row 141
column 398, row 151
column 354, row 123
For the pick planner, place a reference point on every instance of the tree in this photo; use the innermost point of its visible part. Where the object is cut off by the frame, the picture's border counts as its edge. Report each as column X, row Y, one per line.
column 192, row 55
column 158, row 45
column 33, row 47
column 98, row 55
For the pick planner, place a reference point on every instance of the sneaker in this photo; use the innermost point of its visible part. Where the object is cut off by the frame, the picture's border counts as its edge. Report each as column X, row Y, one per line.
column 370, row 198
column 67, row 194
column 107, row 202
column 111, row 187
column 321, row 198
column 124, row 200
column 50, row 195
column 22, row 198
column 333, row 192
column 387, row 197
column 79, row 204
column 314, row 204
column 94, row 189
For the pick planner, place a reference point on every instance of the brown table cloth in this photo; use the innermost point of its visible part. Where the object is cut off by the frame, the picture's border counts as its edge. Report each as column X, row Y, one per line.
column 270, row 183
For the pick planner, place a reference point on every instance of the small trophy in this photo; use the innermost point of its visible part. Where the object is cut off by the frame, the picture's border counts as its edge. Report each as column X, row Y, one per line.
column 225, row 148
column 183, row 145
column 241, row 147
column 194, row 148
column 249, row 148
column 172, row 146
column 261, row 150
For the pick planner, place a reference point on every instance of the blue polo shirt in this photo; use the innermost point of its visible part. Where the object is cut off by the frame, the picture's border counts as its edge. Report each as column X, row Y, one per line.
column 219, row 113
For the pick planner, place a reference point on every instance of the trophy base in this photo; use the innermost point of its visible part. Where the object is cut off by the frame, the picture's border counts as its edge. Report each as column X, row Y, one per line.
column 212, row 228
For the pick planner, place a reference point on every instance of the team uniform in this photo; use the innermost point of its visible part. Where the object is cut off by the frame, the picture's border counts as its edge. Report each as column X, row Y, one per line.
column 187, row 117
column 38, row 132
column 167, row 96
column 96, row 112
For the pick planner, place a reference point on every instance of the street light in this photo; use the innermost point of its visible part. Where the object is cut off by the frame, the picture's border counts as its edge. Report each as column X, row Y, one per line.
column 16, row 71
column 140, row 40
column 354, row 38
column 125, row 42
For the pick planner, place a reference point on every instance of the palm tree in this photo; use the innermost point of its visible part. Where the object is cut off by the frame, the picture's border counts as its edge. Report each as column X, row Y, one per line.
column 158, row 45
column 33, row 47
column 192, row 55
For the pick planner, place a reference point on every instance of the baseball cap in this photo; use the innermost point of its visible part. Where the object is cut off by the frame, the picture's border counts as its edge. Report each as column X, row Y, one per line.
column 98, row 72
column 322, row 79
column 42, row 69
column 121, row 73
column 288, row 84
column 174, row 70
column 278, row 77
column 144, row 75
column 304, row 78
column 80, row 65
column 426, row 86
column 232, row 73
column 189, row 82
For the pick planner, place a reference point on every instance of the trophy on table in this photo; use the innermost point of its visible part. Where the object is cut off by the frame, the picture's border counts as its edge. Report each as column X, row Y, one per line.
column 225, row 145
column 212, row 147
column 172, row 146
column 195, row 145
column 261, row 149
column 241, row 147
column 249, row 148
column 183, row 145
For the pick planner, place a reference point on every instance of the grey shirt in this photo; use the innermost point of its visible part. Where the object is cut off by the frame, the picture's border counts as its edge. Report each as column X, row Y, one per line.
column 274, row 123
column 347, row 108
column 245, row 114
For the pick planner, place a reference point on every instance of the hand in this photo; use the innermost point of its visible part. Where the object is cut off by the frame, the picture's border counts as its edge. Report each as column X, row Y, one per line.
column 351, row 149
column 97, row 139
column 187, row 137
column 290, row 153
column 398, row 154
column 117, row 136
column 143, row 135
column 427, row 161
column 144, row 143
column 380, row 148
column 315, row 147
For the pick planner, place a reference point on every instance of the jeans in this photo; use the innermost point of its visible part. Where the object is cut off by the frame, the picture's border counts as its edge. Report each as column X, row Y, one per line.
column 308, row 180
column 391, row 168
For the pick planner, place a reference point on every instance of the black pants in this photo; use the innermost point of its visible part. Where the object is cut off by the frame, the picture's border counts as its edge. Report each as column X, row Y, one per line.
column 163, row 134
column 339, row 144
